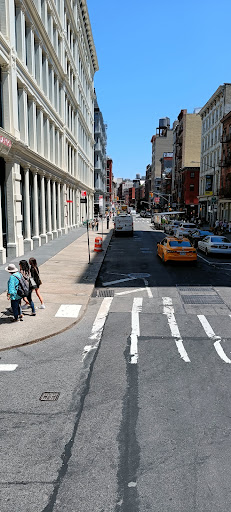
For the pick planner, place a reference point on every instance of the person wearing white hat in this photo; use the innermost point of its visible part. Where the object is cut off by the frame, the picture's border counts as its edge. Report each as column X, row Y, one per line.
column 12, row 295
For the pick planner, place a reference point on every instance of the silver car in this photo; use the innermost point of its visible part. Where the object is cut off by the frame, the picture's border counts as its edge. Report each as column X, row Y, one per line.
column 215, row 245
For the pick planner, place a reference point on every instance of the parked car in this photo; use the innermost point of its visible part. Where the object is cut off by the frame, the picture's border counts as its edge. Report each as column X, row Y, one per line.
column 185, row 228
column 142, row 213
column 176, row 249
column 172, row 226
column 196, row 235
column 215, row 245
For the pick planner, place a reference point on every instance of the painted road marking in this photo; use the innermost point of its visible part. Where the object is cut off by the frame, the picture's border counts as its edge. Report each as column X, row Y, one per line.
column 98, row 325
column 217, row 339
column 169, row 312
column 8, row 367
column 68, row 311
column 136, row 309
column 131, row 291
column 108, row 283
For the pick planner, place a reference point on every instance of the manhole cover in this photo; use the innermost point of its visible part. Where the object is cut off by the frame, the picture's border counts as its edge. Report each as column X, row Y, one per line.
column 48, row 396
column 200, row 299
column 105, row 293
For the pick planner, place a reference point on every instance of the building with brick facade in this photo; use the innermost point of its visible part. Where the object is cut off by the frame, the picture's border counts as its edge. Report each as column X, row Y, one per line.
column 224, row 201
column 47, row 66
column 187, row 148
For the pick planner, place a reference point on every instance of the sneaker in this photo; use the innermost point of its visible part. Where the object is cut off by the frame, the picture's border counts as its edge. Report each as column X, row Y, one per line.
column 21, row 318
column 42, row 306
column 33, row 314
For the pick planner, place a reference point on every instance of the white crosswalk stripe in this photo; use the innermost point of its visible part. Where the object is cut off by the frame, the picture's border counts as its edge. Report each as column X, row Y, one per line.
column 183, row 327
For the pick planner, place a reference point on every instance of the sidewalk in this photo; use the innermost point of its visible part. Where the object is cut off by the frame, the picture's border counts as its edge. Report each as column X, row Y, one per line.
column 68, row 279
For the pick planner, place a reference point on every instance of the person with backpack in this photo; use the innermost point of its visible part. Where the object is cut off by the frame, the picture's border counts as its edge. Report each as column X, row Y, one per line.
column 12, row 294
column 34, row 270
column 25, row 271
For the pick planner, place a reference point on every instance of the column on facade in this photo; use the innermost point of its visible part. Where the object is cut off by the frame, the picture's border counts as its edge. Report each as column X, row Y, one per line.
column 23, row 114
column 28, row 243
column 30, row 42
column 12, row 239
column 59, row 218
column 2, row 249
column 36, row 238
column 62, row 204
column 43, row 235
column 78, row 207
column 52, row 142
column 38, row 63
column 20, row 34
column 49, row 222
column 6, row 93
column 32, row 135
column 54, row 212
column 40, row 132
column 71, row 207
column 74, row 207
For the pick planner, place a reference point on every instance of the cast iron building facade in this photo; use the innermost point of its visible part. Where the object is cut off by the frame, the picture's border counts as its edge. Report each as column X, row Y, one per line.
column 47, row 66
column 100, row 160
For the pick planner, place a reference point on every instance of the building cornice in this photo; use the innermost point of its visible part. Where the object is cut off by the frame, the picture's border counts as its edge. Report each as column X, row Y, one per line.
column 86, row 27
column 219, row 92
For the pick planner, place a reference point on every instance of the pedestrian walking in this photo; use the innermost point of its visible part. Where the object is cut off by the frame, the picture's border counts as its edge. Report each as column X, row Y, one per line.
column 108, row 222
column 34, row 270
column 12, row 294
column 25, row 271
column 224, row 226
column 216, row 227
column 96, row 224
column 229, row 226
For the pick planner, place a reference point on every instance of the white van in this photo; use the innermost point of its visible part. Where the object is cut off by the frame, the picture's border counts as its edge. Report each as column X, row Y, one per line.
column 123, row 224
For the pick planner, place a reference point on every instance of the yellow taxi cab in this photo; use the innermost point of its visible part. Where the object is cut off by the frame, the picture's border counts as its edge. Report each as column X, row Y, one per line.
column 176, row 249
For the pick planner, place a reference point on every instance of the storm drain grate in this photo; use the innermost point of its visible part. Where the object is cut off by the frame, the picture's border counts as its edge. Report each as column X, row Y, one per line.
column 48, row 396
column 200, row 299
column 105, row 293
column 195, row 288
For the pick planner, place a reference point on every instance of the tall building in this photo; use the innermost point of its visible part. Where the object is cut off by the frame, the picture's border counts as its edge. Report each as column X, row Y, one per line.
column 110, row 180
column 100, row 160
column 187, row 146
column 211, row 114
column 161, row 142
column 47, row 66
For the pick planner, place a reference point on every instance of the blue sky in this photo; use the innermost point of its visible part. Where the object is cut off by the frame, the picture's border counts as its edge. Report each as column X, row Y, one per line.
column 155, row 58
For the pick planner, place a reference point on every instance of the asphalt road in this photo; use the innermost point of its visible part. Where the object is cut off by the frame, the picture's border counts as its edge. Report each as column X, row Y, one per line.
column 143, row 419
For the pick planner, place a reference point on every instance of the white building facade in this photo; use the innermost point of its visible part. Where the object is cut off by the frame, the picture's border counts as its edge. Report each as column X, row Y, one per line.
column 100, row 156
column 47, row 66
column 211, row 114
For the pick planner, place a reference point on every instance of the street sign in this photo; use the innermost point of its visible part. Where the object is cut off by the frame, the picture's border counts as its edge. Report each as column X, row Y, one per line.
column 83, row 193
